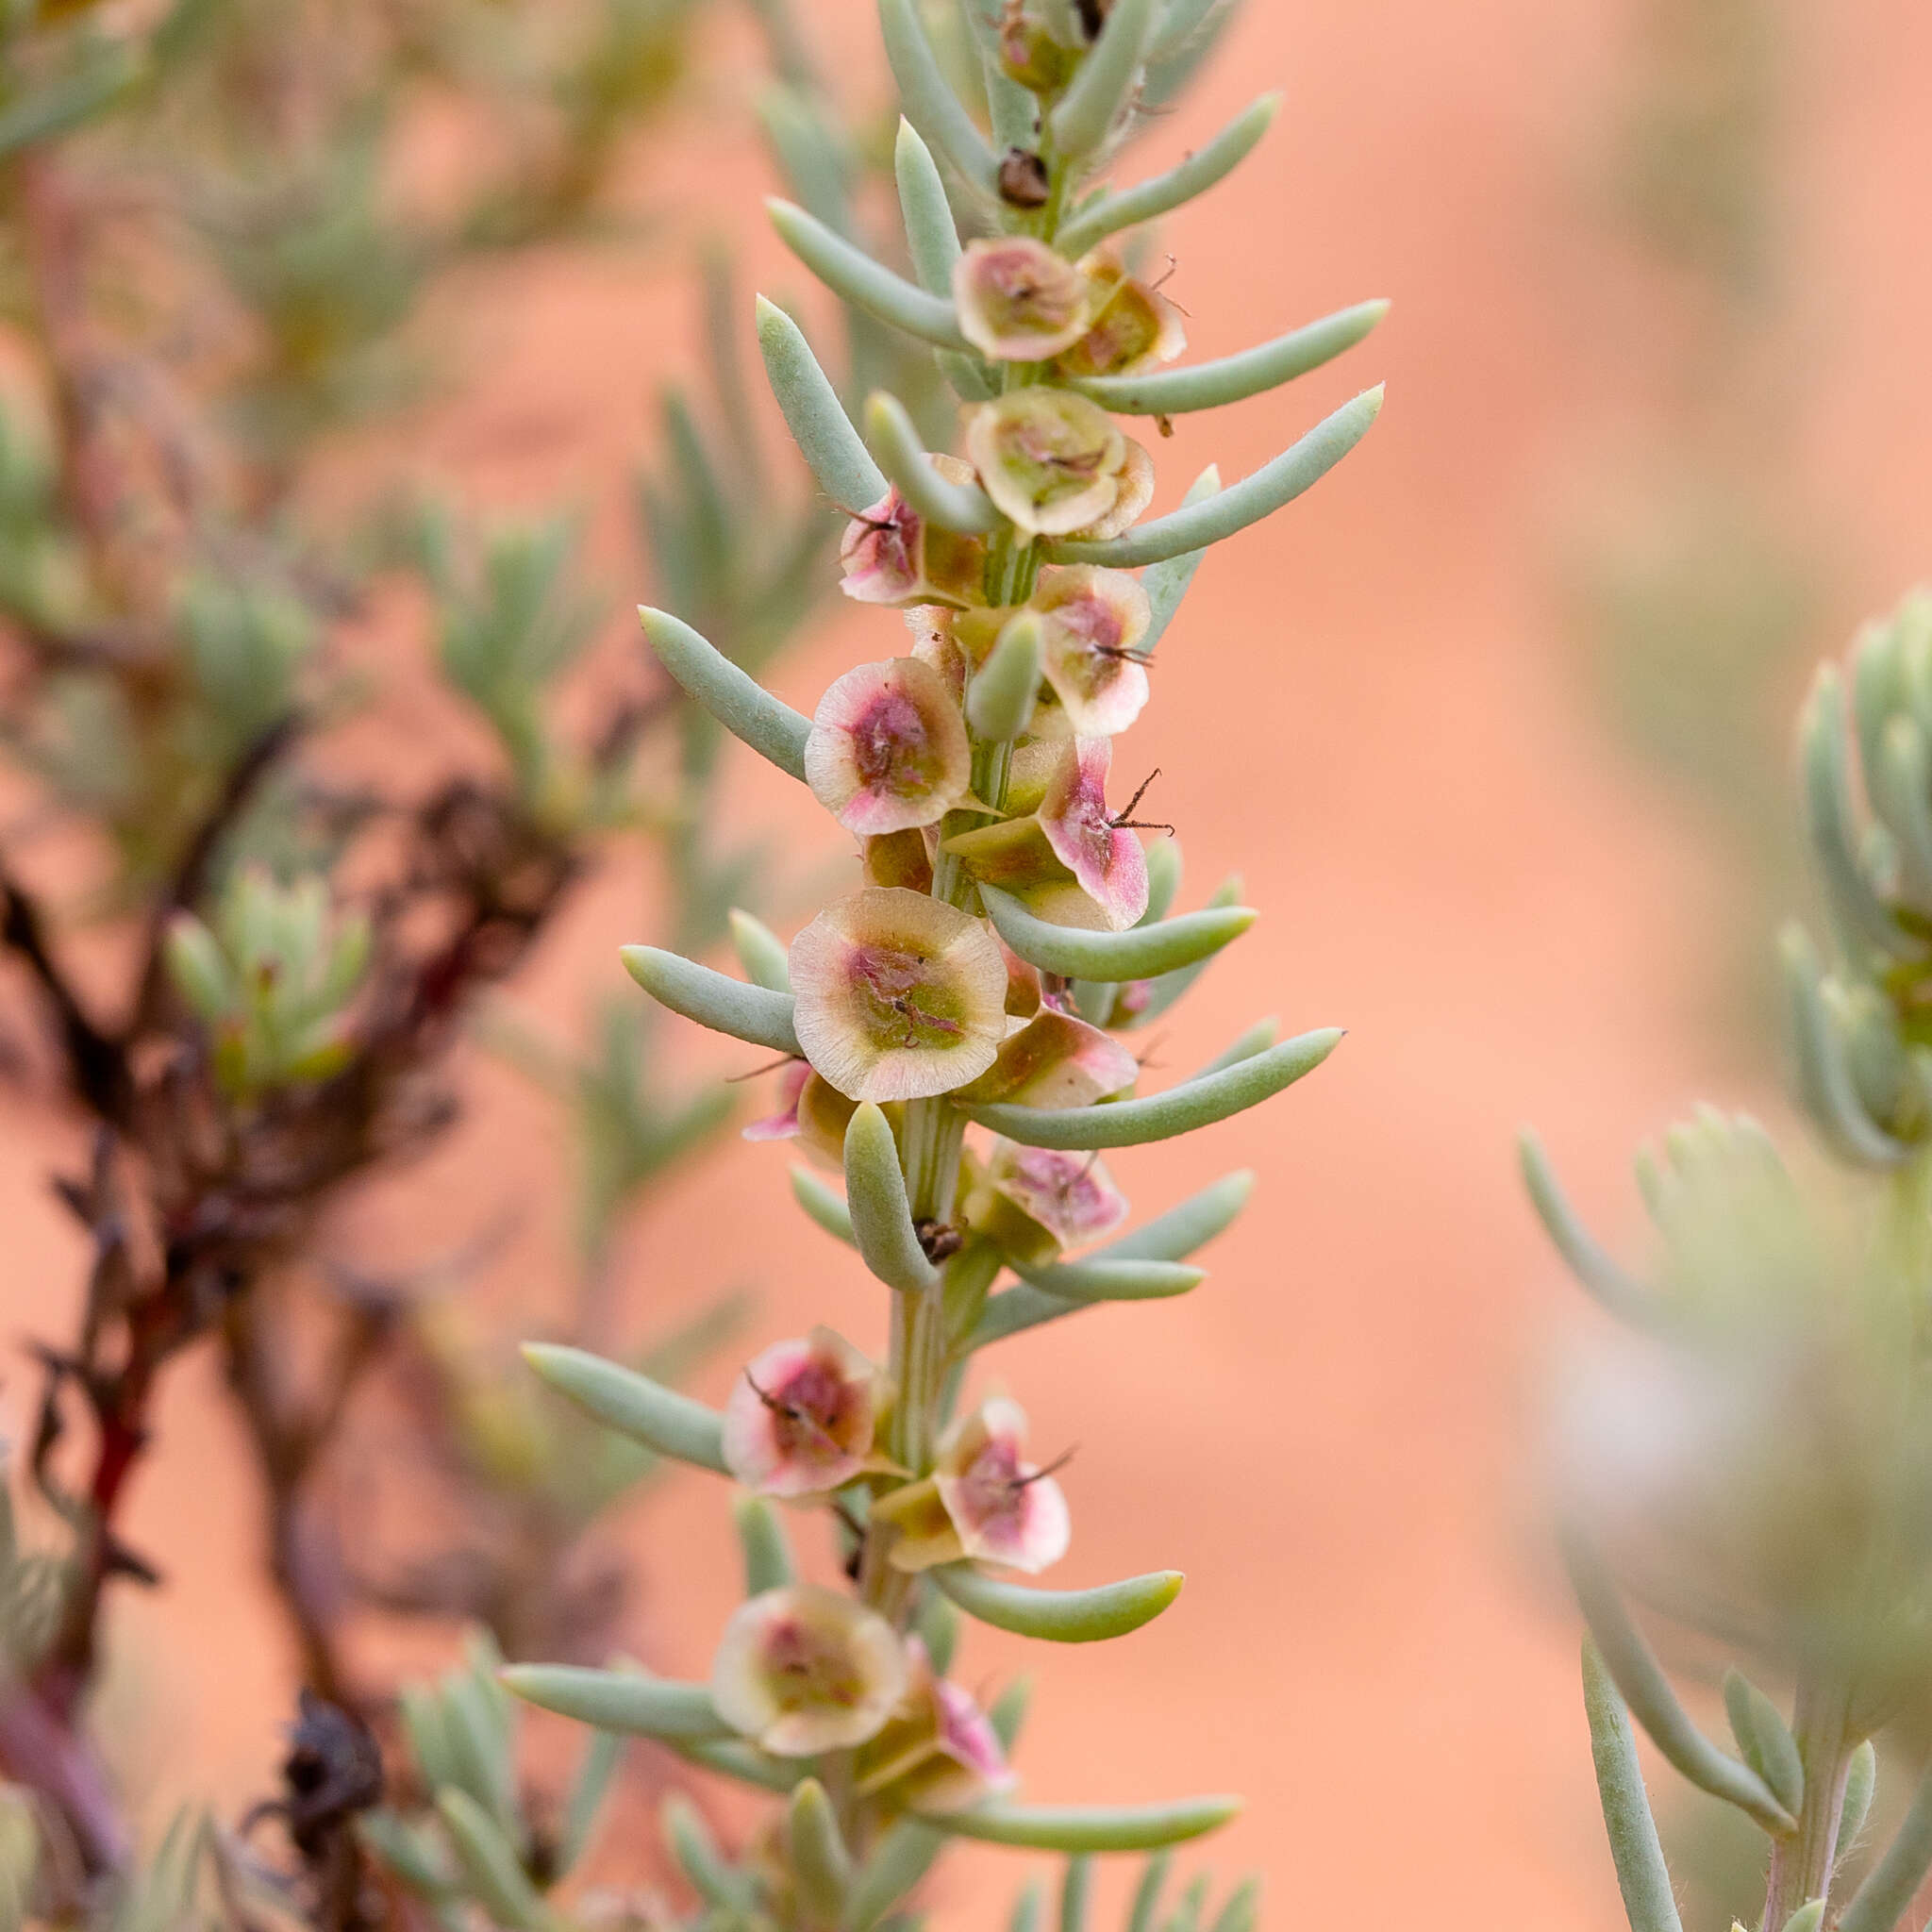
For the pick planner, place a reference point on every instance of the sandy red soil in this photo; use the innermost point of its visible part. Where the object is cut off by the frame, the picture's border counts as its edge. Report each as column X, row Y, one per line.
column 1371, row 710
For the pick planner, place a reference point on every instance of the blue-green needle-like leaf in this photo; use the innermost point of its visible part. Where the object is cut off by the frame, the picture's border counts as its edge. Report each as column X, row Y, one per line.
column 632, row 1404
column 1162, row 194
column 824, row 432
column 1179, row 1110
column 1234, row 379
column 1142, row 952
column 856, row 278
column 623, row 1701
column 875, row 1198
column 734, row 697
column 1089, row 1827
column 1059, row 1616
column 755, row 1014
column 1253, row 497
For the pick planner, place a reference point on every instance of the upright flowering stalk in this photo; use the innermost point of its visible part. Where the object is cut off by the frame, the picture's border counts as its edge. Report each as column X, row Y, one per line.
column 1754, row 1451
column 952, row 1028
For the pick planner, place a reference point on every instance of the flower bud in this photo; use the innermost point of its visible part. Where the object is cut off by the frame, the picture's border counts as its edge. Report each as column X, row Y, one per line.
column 888, row 750
column 801, row 1417
column 1050, row 460
column 1019, row 301
column 802, row 1670
column 899, row 997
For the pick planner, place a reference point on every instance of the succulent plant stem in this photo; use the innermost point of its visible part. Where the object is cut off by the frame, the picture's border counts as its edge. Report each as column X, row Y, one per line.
column 1801, row 1865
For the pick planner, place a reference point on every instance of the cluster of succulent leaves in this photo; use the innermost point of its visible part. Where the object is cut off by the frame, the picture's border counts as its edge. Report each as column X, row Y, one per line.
column 1011, row 933
column 1760, row 1468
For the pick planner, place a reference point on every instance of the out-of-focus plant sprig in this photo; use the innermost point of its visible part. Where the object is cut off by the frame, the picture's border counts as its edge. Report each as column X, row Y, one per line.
column 1697, row 578
column 1753, row 1459
column 1011, row 931
column 219, row 257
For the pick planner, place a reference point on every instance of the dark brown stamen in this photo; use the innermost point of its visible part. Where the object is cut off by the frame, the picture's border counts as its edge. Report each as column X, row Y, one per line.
column 1126, row 820
column 1039, row 1475
column 793, row 1413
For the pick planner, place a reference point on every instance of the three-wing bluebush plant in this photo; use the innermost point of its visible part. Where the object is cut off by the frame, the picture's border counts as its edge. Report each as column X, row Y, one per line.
column 952, row 1031
column 1753, row 1459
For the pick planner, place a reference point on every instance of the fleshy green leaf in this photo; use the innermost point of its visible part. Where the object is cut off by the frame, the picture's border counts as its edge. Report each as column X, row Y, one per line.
column 1146, row 1900
column 1764, row 1740
column 930, row 104
column 1000, row 699
column 1177, row 1234
column 1257, row 1039
column 1641, row 1680
column 1076, row 1888
column 1098, row 1279
column 1641, row 1875
column 690, row 1841
column 1167, row 583
column 1243, row 1909
column 1089, row 1827
column 752, row 1013
column 1007, row 1714
column 820, row 1862
column 1269, row 489
column 1060, row 1616
column 500, row 1883
column 626, row 1701
column 1084, row 113
column 893, row 440
column 1862, row 1787
column 823, row 1204
column 1627, row 1299
column 931, row 238
column 734, row 1758
column 1142, row 952
column 875, row 1197
column 1179, row 1110
column 1162, row 194
column 633, row 1404
column 898, row 1862
column 854, row 277
column 761, row 1536
column 1234, row 379
column 1881, row 1903
column 826, row 437
column 1830, row 821
column 1824, row 1077
column 584, row 1805
column 760, row 952
column 737, row 700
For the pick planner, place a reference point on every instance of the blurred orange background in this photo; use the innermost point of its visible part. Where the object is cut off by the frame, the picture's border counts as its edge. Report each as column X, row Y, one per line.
column 1372, row 707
